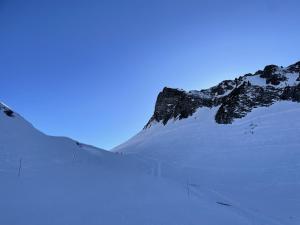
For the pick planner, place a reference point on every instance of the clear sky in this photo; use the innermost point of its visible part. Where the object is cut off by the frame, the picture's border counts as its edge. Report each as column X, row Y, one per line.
column 92, row 69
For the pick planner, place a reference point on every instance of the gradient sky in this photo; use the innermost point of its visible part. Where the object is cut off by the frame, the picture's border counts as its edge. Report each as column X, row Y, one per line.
column 92, row 69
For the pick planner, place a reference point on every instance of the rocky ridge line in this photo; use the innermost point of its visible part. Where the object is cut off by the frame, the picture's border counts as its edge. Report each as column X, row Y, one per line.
column 235, row 98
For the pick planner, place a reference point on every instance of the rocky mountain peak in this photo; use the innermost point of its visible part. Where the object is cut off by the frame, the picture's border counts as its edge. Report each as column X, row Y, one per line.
column 234, row 98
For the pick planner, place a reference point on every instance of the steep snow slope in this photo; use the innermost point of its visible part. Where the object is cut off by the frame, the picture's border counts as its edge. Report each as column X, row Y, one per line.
column 252, row 164
column 57, row 181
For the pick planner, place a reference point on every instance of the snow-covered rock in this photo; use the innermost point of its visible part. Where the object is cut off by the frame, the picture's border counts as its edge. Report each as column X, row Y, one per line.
column 235, row 98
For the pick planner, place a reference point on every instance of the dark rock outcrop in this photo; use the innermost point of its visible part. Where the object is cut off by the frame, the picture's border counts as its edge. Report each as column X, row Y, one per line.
column 172, row 103
column 275, row 79
column 175, row 103
column 294, row 67
column 268, row 71
column 235, row 98
column 242, row 100
column 7, row 111
column 272, row 75
column 291, row 93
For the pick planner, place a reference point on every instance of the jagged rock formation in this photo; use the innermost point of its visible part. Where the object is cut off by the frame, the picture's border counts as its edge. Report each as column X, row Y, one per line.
column 235, row 98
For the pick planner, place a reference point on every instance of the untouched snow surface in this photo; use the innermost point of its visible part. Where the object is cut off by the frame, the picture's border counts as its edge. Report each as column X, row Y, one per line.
column 189, row 172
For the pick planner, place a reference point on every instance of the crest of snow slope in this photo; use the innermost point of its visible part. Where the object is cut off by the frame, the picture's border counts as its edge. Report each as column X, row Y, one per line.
column 252, row 163
column 57, row 181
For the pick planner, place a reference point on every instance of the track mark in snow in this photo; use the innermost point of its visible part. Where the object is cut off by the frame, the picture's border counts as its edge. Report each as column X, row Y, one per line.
column 222, row 203
column 254, row 217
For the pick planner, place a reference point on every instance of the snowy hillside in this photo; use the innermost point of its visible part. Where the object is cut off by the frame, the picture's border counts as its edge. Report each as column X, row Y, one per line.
column 252, row 164
column 225, row 155
column 238, row 140
column 57, row 181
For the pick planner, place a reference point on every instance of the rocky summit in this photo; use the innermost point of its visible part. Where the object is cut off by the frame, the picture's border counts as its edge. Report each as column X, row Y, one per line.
column 234, row 98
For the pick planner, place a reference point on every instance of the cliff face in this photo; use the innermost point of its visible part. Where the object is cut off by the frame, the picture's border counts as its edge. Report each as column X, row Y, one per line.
column 235, row 98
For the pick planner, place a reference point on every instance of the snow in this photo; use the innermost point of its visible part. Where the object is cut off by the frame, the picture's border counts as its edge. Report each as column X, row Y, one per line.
column 257, row 80
column 201, row 94
column 189, row 172
column 3, row 105
column 253, row 163
column 57, row 181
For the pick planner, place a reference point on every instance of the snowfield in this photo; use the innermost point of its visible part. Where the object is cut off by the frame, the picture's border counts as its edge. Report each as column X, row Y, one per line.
column 253, row 164
column 189, row 172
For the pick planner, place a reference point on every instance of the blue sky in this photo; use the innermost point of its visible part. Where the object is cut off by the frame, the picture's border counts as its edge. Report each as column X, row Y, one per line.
column 92, row 69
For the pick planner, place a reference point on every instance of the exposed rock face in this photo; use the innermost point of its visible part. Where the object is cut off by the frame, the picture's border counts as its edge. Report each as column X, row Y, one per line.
column 235, row 98
column 291, row 93
column 173, row 103
column 6, row 110
column 294, row 67
column 242, row 100
column 272, row 74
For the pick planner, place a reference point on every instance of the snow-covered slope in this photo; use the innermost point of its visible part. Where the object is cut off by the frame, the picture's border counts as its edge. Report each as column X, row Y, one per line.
column 57, row 181
column 252, row 164
column 251, row 161
column 225, row 155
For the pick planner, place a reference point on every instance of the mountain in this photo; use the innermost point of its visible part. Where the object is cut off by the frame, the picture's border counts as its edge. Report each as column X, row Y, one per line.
column 225, row 155
column 235, row 98
column 238, row 140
